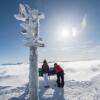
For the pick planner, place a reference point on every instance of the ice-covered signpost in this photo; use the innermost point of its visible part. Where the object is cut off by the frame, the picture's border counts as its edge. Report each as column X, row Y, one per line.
column 30, row 23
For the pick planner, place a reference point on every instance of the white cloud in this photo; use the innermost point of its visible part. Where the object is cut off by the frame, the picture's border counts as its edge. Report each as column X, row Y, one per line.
column 77, row 30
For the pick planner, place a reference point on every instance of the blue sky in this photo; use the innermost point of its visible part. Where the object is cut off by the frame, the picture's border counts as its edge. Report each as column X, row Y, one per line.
column 71, row 30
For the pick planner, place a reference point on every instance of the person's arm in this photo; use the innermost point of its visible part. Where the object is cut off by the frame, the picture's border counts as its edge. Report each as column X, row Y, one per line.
column 48, row 67
column 54, row 70
column 43, row 68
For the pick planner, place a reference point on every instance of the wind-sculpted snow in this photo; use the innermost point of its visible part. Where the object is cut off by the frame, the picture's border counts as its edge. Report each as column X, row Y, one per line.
column 82, row 82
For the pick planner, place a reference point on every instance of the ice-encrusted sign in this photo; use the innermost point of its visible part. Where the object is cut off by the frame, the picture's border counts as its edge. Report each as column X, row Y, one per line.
column 30, row 23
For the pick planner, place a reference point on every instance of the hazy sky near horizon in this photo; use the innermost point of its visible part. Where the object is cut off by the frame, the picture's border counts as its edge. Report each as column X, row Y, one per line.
column 70, row 30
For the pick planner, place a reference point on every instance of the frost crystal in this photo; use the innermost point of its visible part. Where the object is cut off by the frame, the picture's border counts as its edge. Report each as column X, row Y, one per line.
column 30, row 23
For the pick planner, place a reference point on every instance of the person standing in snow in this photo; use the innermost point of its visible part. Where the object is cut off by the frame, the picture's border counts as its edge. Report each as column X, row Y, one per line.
column 60, row 75
column 45, row 70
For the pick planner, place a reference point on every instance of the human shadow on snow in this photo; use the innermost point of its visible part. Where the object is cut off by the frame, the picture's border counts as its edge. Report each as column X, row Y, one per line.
column 57, row 93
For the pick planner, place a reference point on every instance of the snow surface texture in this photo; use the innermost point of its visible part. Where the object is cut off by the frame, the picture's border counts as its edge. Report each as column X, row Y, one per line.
column 82, row 82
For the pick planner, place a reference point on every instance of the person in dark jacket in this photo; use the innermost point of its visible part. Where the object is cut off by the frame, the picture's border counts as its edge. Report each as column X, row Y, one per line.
column 45, row 70
column 60, row 75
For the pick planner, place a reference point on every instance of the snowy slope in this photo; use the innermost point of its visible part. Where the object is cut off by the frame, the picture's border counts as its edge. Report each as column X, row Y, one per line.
column 82, row 82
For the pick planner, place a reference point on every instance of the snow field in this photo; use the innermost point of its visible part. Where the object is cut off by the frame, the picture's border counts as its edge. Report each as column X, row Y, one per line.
column 82, row 82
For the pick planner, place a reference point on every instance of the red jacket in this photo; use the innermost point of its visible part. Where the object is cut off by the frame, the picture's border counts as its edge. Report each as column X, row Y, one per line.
column 57, row 68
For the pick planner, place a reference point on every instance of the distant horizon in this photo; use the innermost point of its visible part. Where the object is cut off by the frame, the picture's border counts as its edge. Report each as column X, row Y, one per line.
column 17, row 63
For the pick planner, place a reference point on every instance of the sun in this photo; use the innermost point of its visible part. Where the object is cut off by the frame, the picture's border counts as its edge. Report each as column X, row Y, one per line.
column 62, row 32
column 65, row 33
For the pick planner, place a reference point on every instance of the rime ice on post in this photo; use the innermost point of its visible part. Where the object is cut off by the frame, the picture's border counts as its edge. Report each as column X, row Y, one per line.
column 30, row 23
